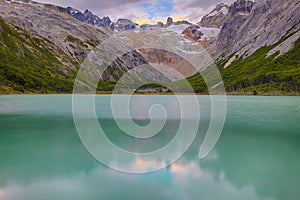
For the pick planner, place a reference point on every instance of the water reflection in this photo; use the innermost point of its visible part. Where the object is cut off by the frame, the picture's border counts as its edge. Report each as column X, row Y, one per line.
column 188, row 182
column 251, row 161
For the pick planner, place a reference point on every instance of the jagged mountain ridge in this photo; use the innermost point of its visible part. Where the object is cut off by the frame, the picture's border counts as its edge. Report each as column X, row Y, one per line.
column 215, row 19
column 71, row 41
column 121, row 24
column 246, row 27
column 89, row 18
column 226, row 31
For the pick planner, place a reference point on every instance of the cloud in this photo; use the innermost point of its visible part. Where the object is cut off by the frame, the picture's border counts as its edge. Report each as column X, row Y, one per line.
column 95, row 4
column 204, row 4
column 193, row 10
column 150, row 11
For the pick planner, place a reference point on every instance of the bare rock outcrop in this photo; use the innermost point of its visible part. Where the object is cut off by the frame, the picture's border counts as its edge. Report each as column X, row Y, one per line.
column 69, row 36
column 216, row 18
column 251, row 25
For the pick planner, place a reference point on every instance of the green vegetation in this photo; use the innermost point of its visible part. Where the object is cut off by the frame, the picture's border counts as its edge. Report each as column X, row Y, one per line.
column 106, row 86
column 258, row 74
column 92, row 43
column 27, row 66
column 70, row 38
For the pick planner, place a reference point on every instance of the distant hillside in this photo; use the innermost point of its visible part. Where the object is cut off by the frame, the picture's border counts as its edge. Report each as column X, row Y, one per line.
column 259, row 74
column 255, row 45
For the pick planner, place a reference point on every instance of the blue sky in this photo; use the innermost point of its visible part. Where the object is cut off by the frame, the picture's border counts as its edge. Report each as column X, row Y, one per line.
column 144, row 11
column 158, row 8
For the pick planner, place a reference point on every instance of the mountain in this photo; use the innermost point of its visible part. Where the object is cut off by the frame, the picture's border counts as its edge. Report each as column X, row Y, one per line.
column 49, row 43
column 178, row 26
column 216, row 18
column 32, row 63
column 39, row 52
column 125, row 25
column 207, row 30
column 89, row 18
column 150, row 26
column 258, row 49
column 255, row 45
column 121, row 24
column 251, row 25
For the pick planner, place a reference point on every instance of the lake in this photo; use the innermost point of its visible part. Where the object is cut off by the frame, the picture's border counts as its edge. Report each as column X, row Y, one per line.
column 256, row 157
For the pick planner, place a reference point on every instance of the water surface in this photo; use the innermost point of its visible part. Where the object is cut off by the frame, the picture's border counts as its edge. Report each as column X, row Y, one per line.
column 42, row 157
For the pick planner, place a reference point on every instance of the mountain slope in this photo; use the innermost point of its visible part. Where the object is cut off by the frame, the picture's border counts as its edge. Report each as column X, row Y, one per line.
column 89, row 18
column 207, row 30
column 255, row 43
column 259, row 73
column 71, row 40
column 257, row 48
column 251, row 25
column 216, row 18
column 55, row 24
column 27, row 66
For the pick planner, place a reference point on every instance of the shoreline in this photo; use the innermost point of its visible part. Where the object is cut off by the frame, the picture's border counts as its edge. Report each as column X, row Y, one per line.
column 275, row 93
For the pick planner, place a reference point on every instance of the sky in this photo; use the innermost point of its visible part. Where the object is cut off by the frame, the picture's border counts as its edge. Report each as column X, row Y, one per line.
column 144, row 11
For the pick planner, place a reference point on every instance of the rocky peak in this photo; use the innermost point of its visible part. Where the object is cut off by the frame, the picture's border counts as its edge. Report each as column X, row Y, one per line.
column 241, row 7
column 150, row 27
column 216, row 18
column 86, row 12
column 169, row 21
column 183, row 22
column 125, row 24
column 88, row 17
column 220, row 6
column 238, row 14
column 160, row 24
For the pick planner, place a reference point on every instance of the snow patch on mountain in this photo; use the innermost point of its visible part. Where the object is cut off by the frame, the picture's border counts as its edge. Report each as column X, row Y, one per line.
column 178, row 28
column 209, row 32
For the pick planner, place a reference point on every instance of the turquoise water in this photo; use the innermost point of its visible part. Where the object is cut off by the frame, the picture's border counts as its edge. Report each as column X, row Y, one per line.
column 256, row 157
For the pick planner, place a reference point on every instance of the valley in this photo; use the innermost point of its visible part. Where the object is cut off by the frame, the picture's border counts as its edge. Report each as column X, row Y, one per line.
column 255, row 46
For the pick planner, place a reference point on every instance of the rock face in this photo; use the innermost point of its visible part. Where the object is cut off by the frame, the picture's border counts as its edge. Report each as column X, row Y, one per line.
column 169, row 22
column 285, row 46
column 207, row 30
column 125, row 24
column 162, row 60
column 193, row 33
column 183, row 22
column 32, row 63
column 251, row 25
column 75, row 38
column 150, row 27
column 89, row 18
column 206, row 37
column 71, row 40
column 1, row 31
column 216, row 18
